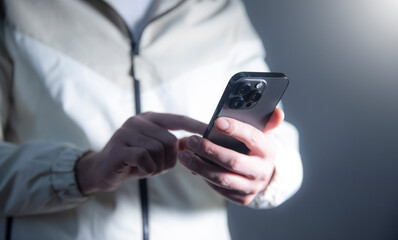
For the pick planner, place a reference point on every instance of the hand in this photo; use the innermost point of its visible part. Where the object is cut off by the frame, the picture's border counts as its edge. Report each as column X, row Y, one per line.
column 142, row 147
column 238, row 177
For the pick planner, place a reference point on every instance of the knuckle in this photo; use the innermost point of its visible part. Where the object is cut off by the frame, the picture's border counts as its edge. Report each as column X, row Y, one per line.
column 118, row 134
column 130, row 120
column 255, row 138
column 131, row 123
column 114, row 153
column 157, row 147
column 171, row 141
column 262, row 177
column 264, row 174
column 208, row 149
column 223, row 181
column 140, row 155
column 234, row 164
column 123, row 155
column 147, row 114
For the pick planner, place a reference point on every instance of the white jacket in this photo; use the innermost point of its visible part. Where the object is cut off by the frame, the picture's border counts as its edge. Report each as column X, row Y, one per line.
column 65, row 89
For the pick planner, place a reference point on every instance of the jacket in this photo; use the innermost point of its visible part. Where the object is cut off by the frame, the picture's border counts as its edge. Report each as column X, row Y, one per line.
column 65, row 89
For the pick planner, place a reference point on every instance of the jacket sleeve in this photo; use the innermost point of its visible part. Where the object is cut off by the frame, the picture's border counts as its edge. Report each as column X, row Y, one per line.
column 36, row 177
column 248, row 54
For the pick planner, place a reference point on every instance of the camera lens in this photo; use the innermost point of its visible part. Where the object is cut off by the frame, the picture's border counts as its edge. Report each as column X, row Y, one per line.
column 236, row 103
column 254, row 96
column 260, row 85
column 244, row 89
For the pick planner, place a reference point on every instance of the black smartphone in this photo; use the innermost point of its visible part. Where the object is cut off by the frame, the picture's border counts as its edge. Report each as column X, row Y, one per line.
column 250, row 97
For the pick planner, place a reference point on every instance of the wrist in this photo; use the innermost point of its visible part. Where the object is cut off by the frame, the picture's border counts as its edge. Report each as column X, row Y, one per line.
column 85, row 173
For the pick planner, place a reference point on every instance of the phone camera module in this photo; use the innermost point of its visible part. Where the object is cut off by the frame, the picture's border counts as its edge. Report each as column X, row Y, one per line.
column 244, row 89
column 260, row 85
column 254, row 96
column 236, row 103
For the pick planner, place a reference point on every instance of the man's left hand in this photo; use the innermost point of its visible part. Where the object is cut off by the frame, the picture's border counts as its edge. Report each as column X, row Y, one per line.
column 238, row 177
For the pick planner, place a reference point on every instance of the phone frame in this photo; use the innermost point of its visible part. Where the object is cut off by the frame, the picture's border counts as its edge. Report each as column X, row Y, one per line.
column 229, row 89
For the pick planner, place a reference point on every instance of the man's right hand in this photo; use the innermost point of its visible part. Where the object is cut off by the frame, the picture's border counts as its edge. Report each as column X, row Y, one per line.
column 141, row 148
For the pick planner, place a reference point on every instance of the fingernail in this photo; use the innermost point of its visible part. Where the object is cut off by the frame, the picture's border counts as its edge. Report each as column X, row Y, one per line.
column 222, row 124
column 193, row 143
column 185, row 158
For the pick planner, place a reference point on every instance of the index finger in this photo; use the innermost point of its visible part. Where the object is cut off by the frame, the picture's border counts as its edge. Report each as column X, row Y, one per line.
column 175, row 122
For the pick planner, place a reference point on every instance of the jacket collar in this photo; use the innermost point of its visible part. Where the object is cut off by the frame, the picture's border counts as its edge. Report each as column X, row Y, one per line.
column 160, row 9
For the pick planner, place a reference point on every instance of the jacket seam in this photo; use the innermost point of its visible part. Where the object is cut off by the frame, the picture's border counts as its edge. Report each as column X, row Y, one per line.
column 16, row 30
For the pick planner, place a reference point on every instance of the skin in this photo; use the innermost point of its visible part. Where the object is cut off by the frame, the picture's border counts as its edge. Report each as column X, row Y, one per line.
column 238, row 177
column 143, row 147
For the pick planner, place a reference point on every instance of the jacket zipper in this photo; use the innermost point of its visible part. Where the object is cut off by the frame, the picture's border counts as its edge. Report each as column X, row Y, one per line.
column 143, row 183
column 134, row 51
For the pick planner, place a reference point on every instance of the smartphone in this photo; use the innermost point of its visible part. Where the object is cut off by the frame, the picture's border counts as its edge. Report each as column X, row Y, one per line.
column 250, row 97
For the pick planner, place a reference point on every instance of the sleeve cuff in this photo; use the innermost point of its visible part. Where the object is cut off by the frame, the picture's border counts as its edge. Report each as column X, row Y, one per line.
column 283, row 185
column 287, row 177
column 63, row 178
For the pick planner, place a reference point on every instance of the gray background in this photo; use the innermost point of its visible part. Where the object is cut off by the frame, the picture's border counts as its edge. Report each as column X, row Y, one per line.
column 342, row 59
